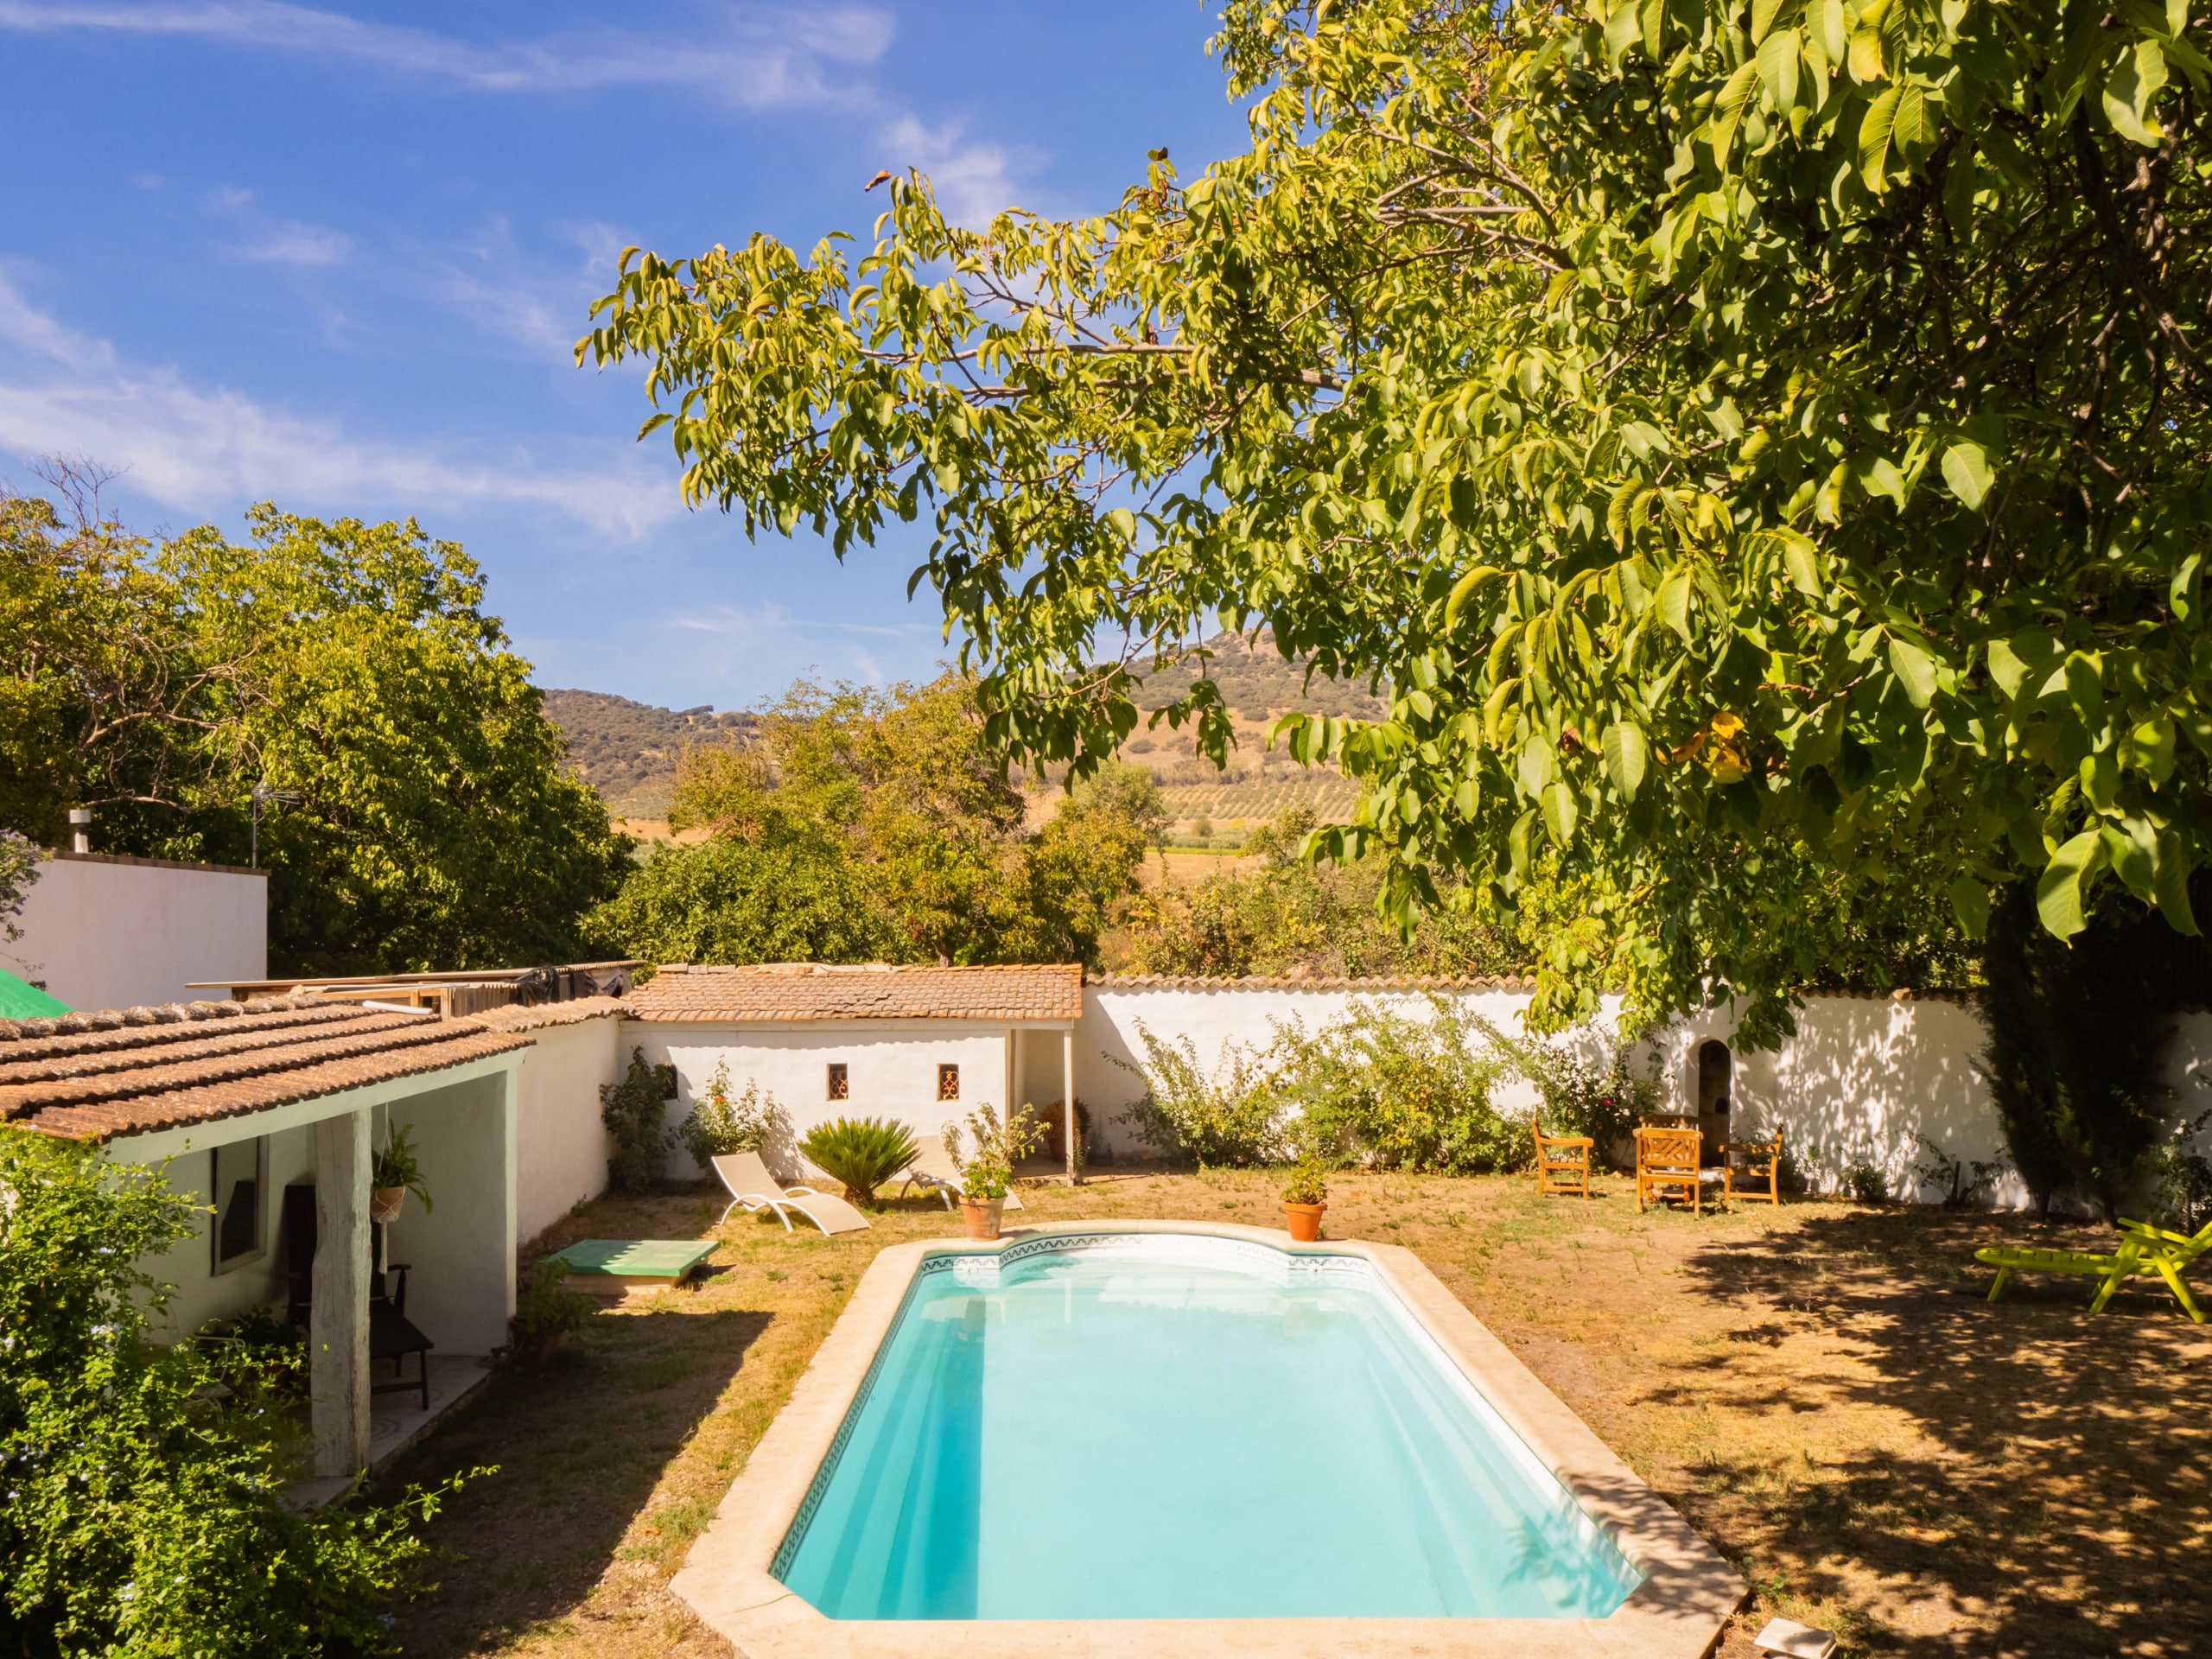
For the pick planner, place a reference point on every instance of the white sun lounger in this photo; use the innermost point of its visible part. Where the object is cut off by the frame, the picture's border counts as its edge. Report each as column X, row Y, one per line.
column 751, row 1186
column 933, row 1171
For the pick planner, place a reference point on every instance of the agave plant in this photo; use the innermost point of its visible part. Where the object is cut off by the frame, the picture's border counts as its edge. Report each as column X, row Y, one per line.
column 862, row 1152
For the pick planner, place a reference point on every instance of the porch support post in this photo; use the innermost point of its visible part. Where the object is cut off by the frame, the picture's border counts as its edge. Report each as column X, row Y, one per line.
column 1067, row 1099
column 337, row 1326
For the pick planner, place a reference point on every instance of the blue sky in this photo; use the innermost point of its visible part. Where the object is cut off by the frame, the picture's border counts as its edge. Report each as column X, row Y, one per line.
column 339, row 259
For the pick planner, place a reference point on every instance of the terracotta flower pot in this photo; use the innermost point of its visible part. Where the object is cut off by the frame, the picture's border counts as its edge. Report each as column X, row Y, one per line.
column 982, row 1219
column 385, row 1202
column 1305, row 1221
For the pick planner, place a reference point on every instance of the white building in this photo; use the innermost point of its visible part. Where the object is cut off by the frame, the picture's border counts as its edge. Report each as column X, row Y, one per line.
column 105, row 931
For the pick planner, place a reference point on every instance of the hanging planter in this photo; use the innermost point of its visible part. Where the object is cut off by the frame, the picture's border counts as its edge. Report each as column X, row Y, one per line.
column 393, row 1175
column 385, row 1202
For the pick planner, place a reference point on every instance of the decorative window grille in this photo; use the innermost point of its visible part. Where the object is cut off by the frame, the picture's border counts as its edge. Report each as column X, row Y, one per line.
column 948, row 1082
column 839, row 1089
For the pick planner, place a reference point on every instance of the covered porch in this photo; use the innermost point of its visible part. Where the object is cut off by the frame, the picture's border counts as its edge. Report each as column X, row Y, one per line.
column 269, row 1115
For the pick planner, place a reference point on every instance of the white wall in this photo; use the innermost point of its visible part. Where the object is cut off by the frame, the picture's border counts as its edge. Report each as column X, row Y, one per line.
column 1862, row 1082
column 561, row 1144
column 891, row 1068
column 463, row 1249
column 1212, row 1017
column 103, row 932
column 200, row 1294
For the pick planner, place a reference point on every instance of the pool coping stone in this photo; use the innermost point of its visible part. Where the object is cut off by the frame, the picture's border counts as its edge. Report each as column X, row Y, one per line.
column 1677, row 1612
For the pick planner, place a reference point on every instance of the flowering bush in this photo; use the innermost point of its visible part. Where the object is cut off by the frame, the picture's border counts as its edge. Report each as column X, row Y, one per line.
column 720, row 1124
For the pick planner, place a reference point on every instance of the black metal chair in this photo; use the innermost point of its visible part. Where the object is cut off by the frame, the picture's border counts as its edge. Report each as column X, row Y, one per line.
column 392, row 1335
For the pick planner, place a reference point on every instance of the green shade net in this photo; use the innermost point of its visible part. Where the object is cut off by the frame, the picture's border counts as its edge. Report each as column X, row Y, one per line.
column 21, row 1001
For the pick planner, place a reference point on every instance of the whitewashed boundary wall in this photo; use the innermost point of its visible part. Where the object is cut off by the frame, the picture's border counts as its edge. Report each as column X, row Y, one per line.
column 109, row 932
column 1864, row 1081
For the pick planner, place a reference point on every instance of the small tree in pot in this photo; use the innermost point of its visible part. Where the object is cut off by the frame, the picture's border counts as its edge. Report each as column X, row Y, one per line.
column 1304, row 1199
column 987, row 1170
column 393, row 1175
column 546, row 1313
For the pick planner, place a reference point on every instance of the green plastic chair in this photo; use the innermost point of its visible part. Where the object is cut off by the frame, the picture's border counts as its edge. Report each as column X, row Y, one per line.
column 2143, row 1250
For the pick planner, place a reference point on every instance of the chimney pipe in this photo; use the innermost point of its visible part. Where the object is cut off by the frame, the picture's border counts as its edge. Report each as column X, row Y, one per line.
column 81, row 828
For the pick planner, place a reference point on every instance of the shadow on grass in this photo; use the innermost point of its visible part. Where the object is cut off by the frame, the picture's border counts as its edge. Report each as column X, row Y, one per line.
column 579, row 1444
column 2059, row 1491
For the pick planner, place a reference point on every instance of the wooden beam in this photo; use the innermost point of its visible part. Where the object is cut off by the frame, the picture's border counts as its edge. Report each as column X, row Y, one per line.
column 338, row 1323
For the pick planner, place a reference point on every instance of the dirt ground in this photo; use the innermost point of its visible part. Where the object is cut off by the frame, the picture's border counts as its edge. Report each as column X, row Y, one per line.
column 1820, row 1391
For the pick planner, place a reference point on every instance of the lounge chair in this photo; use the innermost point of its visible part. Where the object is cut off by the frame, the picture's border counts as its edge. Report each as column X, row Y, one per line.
column 933, row 1171
column 752, row 1187
column 2143, row 1250
column 1563, row 1163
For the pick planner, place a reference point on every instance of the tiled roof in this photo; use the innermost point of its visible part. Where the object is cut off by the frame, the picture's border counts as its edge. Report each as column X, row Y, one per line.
column 96, row 1075
column 518, row 1016
column 1293, row 982
column 808, row 992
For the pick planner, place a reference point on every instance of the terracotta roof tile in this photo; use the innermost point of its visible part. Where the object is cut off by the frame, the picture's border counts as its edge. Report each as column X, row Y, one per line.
column 803, row 993
column 135, row 1070
column 1294, row 982
column 532, row 1017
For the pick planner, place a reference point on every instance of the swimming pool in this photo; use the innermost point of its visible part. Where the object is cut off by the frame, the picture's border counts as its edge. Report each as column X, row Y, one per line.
column 1120, row 1440
column 1162, row 1426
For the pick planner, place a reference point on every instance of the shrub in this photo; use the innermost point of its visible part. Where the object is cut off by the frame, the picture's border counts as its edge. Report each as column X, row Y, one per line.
column 635, row 1114
column 1866, row 1184
column 863, row 1153
column 547, row 1311
column 145, row 1510
column 719, row 1125
column 1232, row 1119
column 2182, row 1178
column 1385, row 1090
column 1961, row 1182
column 1580, row 1093
column 987, row 1173
column 1309, row 1183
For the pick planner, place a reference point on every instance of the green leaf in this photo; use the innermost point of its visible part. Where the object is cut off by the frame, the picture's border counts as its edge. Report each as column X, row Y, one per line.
column 2058, row 893
column 1728, row 109
column 1965, row 469
column 2171, row 886
column 1915, row 669
column 2007, row 668
column 1874, row 131
column 1911, row 131
column 1625, row 749
column 2128, row 90
column 1764, row 12
column 1519, row 842
column 2181, row 591
column 1834, row 28
column 1673, row 602
column 1124, row 523
column 1778, row 60
column 1465, row 590
column 1866, row 63
column 1970, row 903
column 1560, row 812
column 1621, row 31
column 1801, row 561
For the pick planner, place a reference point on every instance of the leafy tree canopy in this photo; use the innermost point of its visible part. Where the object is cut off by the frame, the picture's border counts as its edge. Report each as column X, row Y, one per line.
column 1745, row 437
column 869, row 825
column 351, row 666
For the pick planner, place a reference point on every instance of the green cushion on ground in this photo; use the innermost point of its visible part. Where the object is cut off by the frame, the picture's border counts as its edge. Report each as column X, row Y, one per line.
column 636, row 1258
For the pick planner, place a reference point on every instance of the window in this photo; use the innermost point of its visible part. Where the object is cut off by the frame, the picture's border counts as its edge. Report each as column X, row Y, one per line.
column 240, row 1172
column 839, row 1089
column 948, row 1082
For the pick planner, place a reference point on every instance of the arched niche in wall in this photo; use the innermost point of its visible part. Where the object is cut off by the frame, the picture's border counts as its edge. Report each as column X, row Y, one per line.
column 1716, row 1079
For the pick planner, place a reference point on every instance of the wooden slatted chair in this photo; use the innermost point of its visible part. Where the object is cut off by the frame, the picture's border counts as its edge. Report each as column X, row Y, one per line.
column 1757, row 1161
column 1667, row 1162
column 1563, row 1163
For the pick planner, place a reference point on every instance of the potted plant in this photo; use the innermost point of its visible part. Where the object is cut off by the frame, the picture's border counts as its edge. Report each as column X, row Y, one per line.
column 393, row 1175
column 987, row 1173
column 545, row 1313
column 1304, row 1199
column 860, row 1152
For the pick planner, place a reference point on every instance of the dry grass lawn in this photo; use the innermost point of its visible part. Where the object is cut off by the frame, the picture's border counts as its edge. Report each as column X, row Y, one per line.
column 1819, row 1391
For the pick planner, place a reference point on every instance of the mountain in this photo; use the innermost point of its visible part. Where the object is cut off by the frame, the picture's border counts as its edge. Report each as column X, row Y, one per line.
column 628, row 750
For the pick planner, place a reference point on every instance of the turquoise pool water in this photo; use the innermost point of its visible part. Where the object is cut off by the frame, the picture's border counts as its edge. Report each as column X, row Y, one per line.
column 1176, row 1427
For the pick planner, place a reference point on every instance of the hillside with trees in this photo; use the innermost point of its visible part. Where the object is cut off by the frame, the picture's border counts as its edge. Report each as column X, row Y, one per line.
column 629, row 751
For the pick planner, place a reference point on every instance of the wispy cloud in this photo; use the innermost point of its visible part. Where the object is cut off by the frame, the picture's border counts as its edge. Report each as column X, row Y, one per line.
column 201, row 450
column 754, row 58
column 974, row 182
column 275, row 241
